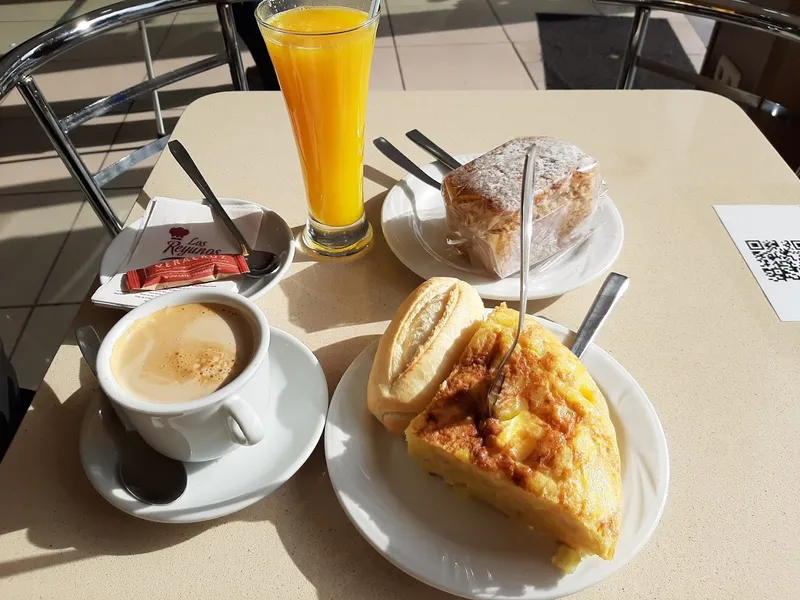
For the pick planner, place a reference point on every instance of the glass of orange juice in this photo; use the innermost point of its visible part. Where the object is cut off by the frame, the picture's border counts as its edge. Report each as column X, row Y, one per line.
column 322, row 53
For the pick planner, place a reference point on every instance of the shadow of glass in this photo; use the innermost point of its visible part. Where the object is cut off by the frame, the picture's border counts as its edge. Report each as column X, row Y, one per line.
column 316, row 299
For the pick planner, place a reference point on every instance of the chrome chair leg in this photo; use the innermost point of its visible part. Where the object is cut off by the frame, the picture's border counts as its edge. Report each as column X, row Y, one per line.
column 148, row 61
column 49, row 121
column 225, row 13
column 635, row 43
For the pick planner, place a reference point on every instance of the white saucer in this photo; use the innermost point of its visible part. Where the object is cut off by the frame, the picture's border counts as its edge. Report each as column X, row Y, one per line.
column 217, row 488
column 403, row 230
column 275, row 236
column 463, row 546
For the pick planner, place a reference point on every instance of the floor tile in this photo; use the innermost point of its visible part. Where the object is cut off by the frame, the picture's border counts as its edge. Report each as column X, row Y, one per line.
column 611, row 10
column 138, row 129
column 70, row 85
column 41, row 10
column 208, row 11
column 697, row 60
column 529, row 51
column 12, row 321
column 397, row 7
column 79, row 260
column 33, row 228
column 40, row 341
column 13, row 33
column 183, row 93
column 385, row 70
column 123, row 44
column 470, row 23
column 518, row 19
column 687, row 36
column 703, row 27
column 207, row 14
column 667, row 14
column 193, row 35
column 517, row 11
column 535, row 69
column 87, row 6
column 463, row 67
column 28, row 162
column 384, row 37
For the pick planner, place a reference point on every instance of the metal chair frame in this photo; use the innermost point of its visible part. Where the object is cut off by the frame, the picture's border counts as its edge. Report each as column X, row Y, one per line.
column 18, row 66
column 736, row 12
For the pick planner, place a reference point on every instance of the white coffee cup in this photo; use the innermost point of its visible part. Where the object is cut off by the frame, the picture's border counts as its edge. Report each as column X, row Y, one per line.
column 211, row 426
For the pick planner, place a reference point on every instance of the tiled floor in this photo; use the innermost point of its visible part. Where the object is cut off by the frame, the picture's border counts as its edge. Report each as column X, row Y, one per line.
column 51, row 239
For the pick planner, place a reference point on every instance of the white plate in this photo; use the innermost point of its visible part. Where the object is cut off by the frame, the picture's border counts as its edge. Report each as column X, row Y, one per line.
column 465, row 547
column 275, row 235
column 217, row 488
column 576, row 269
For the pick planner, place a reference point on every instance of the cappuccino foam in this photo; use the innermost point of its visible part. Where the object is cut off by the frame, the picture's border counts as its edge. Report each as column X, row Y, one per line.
column 182, row 353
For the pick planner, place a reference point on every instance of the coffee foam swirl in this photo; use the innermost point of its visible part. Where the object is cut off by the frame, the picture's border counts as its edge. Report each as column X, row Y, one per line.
column 182, row 353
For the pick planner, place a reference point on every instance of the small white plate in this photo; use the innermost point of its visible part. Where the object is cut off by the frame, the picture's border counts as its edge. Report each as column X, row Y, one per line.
column 403, row 230
column 463, row 546
column 275, row 235
column 293, row 426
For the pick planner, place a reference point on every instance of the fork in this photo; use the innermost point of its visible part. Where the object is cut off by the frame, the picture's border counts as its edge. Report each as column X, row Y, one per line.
column 526, row 233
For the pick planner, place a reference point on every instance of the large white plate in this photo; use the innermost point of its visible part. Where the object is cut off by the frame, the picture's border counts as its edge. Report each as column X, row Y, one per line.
column 275, row 235
column 460, row 545
column 411, row 196
column 295, row 418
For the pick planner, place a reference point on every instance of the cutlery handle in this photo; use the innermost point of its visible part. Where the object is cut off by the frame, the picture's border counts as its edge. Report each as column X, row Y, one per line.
column 613, row 288
column 437, row 152
column 526, row 232
column 402, row 161
column 188, row 165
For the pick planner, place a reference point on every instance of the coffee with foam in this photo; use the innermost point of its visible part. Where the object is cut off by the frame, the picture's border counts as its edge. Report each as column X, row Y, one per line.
column 182, row 353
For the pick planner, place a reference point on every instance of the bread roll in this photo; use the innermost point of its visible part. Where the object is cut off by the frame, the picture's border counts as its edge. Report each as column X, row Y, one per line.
column 418, row 350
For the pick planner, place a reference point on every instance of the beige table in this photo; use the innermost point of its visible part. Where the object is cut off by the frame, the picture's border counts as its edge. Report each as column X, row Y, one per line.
column 694, row 329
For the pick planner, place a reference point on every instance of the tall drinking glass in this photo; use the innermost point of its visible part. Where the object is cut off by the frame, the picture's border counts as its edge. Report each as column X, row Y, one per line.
column 322, row 52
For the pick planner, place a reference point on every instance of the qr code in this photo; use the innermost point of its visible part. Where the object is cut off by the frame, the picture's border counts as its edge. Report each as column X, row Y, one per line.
column 778, row 259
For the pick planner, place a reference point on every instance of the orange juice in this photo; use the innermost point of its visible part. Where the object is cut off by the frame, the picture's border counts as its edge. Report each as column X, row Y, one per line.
column 322, row 56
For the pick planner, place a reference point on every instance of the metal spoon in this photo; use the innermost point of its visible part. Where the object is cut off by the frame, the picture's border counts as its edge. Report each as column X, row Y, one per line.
column 146, row 474
column 260, row 262
column 402, row 161
column 439, row 153
column 611, row 291
column 526, row 233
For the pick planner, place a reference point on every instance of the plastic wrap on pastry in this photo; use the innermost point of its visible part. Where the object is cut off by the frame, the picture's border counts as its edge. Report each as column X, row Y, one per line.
column 483, row 200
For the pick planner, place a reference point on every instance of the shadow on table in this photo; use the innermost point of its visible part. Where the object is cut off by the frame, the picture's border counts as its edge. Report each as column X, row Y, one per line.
column 375, row 282
column 53, row 503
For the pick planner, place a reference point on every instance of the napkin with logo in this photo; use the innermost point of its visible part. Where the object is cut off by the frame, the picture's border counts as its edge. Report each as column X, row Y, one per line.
column 178, row 229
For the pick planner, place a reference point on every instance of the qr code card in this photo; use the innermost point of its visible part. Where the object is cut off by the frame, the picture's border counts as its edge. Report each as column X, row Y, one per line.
column 768, row 238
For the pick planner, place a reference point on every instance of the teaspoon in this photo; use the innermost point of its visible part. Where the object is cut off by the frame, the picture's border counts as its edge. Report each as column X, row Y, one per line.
column 260, row 262
column 147, row 475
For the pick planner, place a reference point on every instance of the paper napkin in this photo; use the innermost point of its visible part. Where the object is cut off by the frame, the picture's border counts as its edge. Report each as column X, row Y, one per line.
column 178, row 229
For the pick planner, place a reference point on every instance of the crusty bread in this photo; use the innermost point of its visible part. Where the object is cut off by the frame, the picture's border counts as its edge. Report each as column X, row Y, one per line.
column 418, row 350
